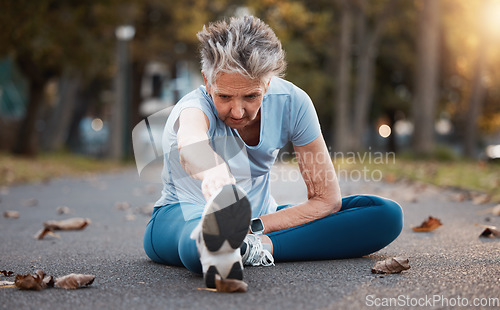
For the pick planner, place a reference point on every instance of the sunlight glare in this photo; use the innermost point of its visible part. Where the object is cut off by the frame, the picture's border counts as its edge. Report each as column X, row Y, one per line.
column 492, row 18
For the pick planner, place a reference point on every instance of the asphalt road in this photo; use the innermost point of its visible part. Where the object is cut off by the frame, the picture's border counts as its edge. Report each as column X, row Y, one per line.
column 449, row 267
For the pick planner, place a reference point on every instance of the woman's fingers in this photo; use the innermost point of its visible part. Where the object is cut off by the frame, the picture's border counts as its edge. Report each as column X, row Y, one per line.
column 211, row 184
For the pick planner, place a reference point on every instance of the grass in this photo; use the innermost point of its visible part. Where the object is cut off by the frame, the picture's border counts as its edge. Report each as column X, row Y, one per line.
column 468, row 175
column 461, row 174
column 18, row 170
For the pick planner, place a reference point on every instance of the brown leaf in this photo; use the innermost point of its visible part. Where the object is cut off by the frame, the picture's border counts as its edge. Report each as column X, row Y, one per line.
column 74, row 281
column 44, row 232
column 230, row 285
column 490, row 232
column 428, row 225
column 75, row 223
column 34, row 282
column 481, row 199
column 496, row 210
column 7, row 273
column 11, row 214
column 459, row 197
column 130, row 217
column 390, row 178
column 391, row 265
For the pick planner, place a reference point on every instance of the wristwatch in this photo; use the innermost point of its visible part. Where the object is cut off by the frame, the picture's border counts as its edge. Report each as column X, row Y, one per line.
column 256, row 226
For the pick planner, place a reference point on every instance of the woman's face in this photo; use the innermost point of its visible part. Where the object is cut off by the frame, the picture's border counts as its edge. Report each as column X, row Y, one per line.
column 237, row 99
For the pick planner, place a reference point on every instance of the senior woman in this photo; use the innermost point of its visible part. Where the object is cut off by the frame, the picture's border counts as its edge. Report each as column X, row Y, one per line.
column 216, row 213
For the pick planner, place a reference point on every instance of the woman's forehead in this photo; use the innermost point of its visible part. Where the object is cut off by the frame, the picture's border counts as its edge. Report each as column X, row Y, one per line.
column 236, row 82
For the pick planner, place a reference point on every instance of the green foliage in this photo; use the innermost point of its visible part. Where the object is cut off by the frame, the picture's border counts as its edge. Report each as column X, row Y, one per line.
column 441, row 153
column 48, row 37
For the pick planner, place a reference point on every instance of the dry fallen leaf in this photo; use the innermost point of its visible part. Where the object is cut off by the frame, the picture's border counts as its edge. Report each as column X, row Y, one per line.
column 391, row 265
column 481, row 199
column 5, row 283
column 45, row 232
column 11, row 214
column 130, row 217
column 74, row 223
column 7, row 273
column 459, row 197
column 36, row 282
column 428, row 225
column 230, row 285
column 74, row 281
column 490, row 232
column 495, row 210
column 390, row 178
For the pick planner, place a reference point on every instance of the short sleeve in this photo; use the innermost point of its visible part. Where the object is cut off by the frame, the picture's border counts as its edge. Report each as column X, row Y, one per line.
column 303, row 119
column 193, row 100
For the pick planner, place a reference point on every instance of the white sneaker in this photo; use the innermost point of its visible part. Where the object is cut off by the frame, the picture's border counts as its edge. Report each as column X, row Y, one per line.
column 254, row 254
column 221, row 232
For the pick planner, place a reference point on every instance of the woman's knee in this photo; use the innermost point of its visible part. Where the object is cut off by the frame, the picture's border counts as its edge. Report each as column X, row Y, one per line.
column 390, row 217
column 188, row 251
column 149, row 248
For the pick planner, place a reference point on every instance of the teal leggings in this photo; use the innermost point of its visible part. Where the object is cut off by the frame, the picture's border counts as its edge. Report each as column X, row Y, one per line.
column 364, row 224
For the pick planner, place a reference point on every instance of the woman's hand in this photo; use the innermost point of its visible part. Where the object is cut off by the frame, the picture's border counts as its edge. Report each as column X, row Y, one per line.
column 214, row 179
column 323, row 191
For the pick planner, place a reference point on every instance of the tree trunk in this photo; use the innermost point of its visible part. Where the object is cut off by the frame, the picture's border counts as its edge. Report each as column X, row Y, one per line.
column 368, row 41
column 59, row 121
column 476, row 101
column 138, row 68
column 26, row 143
column 341, row 125
column 426, row 89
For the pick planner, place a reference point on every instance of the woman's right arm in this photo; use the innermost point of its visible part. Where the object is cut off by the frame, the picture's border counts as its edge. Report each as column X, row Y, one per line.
column 197, row 157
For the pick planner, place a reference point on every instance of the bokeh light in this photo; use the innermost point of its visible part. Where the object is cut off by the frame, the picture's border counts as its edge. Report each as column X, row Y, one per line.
column 384, row 131
column 97, row 124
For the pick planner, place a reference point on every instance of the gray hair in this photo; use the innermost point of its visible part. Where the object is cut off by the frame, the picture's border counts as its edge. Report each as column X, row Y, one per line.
column 245, row 45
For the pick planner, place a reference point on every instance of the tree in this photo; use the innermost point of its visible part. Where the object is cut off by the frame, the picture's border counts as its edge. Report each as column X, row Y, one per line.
column 427, row 72
column 46, row 38
column 368, row 39
column 341, row 126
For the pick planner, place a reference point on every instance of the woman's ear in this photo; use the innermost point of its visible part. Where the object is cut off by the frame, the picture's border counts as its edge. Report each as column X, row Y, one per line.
column 206, row 83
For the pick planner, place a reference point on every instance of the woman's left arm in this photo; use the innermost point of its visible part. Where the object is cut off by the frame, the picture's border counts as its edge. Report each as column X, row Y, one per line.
column 323, row 191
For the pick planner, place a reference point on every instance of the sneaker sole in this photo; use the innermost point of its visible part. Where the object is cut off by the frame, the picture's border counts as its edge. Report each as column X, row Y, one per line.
column 227, row 218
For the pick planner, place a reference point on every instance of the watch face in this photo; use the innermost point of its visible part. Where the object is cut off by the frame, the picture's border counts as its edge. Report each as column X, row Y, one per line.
column 257, row 226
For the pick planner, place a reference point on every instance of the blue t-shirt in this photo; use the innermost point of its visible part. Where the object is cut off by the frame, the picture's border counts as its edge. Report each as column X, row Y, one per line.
column 287, row 114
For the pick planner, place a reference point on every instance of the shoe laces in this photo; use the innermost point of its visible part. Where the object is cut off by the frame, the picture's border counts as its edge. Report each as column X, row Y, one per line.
column 255, row 254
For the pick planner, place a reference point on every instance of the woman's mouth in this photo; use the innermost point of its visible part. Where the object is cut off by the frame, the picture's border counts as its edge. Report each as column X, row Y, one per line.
column 237, row 120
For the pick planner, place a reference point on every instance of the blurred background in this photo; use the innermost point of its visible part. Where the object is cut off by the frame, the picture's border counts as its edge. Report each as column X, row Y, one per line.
column 417, row 77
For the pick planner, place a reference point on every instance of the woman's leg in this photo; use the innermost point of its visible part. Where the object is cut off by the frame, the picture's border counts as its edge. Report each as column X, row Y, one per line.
column 363, row 225
column 167, row 237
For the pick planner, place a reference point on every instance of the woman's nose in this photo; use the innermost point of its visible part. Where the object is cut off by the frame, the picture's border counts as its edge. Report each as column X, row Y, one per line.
column 237, row 110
